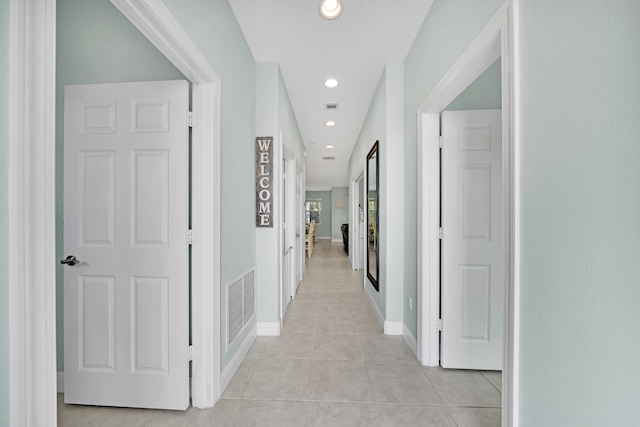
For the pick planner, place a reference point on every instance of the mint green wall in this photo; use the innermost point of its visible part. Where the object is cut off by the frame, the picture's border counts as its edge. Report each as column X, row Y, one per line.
column 95, row 44
column 268, row 241
column 485, row 93
column 580, row 213
column 448, row 29
column 215, row 30
column 339, row 216
column 4, row 212
column 374, row 129
column 324, row 229
column 274, row 115
column 288, row 123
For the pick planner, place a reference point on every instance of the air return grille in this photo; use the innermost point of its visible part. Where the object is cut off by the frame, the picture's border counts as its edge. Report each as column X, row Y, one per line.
column 241, row 304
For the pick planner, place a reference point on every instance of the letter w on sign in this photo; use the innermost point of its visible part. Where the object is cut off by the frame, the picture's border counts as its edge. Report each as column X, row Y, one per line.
column 264, row 181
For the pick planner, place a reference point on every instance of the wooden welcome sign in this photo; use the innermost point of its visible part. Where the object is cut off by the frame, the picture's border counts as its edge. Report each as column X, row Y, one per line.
column 264, row 181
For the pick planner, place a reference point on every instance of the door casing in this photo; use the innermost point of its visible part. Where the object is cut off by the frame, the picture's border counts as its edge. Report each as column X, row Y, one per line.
column 494, row 41
column 32, row 305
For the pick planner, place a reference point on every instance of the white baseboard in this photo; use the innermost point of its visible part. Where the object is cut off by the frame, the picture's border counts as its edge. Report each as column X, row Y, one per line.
column 268, row 329
column 336, row 240
column 410, row 339
column 237, row 358
column 60, row 382
column 323, row 238
column 393, row 328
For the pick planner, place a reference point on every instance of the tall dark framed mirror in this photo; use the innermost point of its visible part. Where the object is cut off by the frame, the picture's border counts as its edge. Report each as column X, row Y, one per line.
column 373, row 225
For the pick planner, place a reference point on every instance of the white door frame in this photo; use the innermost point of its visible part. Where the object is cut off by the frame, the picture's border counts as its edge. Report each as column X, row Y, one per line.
column 494, row 41
column 287, row 192
column 32, row 304
column 299, row 212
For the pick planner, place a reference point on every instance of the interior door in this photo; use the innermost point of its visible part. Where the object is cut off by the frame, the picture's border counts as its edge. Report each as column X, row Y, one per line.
column 473, row 244
column 126, row 307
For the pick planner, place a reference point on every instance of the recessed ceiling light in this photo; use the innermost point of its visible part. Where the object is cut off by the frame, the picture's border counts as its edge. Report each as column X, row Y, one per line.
column 330, row 9
column 330, row 123
column 331, row 83
column 329, row 146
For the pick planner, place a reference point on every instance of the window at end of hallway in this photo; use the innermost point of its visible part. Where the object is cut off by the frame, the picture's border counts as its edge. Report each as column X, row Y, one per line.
column 313, row 210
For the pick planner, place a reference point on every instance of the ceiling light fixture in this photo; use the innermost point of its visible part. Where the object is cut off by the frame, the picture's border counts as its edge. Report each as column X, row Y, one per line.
column 331, row 83
column 329, row 146
column 330, row 9
column 330, row 123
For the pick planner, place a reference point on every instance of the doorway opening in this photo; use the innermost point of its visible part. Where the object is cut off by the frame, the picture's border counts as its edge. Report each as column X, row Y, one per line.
column 32, row 296
column 494, row 41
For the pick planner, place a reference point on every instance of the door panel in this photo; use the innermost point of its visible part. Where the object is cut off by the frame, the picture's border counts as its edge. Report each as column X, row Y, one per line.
column 126, row 220
column 472, row 245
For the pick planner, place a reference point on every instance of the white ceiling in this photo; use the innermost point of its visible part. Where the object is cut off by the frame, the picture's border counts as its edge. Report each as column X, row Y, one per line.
column 353, row 48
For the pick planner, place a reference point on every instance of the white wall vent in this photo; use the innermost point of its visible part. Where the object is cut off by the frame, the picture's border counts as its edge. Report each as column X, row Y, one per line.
column 241, row 304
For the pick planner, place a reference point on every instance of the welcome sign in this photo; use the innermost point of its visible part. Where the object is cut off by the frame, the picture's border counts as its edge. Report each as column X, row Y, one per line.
column 264, row 181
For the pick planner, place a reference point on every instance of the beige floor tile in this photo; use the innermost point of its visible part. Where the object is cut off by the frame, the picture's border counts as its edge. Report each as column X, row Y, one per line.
column 337, row 347
column 325, row 414
column 296, row 323
column 256, row 413
column 335, row 324
column 192, row 417
column 280, row 379
column 339, row 381
column 458, row 387
column 286, row 346
column 495, row 378
column 121, row 417
column 385, row 348
column 477, row 417
column 411, row 415
column 400, row 382
column 303, row 295
column 241, row 378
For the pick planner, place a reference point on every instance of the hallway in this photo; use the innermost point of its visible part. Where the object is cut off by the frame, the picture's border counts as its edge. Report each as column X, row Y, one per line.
column 331, row 366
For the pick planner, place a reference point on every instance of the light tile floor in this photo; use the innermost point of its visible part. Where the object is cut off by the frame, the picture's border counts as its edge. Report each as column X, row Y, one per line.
column 331, row 366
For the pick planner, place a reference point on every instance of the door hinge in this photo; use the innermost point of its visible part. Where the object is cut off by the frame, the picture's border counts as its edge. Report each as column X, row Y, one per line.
column 440, row 143
column 189, row 237
column 191, row 121
column 190, row 353
column 440, row 233
column 439, row 324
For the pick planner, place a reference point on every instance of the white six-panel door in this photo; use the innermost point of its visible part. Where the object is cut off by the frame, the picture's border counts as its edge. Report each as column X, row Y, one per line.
column 126, row 309
column 472, row 268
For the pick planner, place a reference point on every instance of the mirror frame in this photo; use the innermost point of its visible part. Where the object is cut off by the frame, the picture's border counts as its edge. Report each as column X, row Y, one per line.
column 373, row 152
